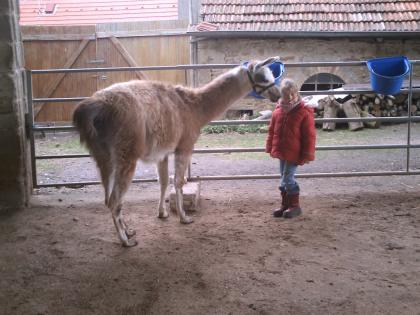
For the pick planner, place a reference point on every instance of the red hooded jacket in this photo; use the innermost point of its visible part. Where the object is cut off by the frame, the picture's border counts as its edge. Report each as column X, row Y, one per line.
column 292, row 135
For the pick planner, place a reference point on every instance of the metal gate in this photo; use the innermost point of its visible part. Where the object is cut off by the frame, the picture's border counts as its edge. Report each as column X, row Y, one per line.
column 34, row 128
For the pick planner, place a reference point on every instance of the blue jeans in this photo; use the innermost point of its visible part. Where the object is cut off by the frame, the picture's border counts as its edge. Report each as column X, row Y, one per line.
column 287, row 180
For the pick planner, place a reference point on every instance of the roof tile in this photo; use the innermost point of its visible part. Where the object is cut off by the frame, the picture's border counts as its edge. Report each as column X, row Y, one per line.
column 314, row 15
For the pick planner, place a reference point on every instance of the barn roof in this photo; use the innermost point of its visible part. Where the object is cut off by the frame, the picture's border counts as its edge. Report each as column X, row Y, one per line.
column 80, row 12
column 311, row 15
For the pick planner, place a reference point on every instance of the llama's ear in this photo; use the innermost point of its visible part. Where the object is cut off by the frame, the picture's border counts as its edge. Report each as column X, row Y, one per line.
column 266, row 62
column 250, row 66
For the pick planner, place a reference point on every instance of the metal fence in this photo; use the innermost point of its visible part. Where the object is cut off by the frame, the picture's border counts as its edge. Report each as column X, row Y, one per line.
column 33, row 128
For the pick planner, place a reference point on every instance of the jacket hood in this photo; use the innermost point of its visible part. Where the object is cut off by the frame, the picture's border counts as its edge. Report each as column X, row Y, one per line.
column 302, row 103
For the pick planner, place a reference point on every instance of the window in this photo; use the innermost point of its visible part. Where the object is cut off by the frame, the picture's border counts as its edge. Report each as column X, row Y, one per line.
column 322, row 82
column 48, row 9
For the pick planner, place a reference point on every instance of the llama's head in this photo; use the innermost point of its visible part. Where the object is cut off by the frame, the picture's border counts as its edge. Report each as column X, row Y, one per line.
column 262, row 79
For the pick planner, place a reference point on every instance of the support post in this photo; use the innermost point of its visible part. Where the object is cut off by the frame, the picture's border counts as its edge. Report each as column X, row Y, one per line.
column 14, row 176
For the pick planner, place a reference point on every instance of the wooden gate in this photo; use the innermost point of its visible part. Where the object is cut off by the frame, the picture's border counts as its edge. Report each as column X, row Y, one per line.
column 89, row 51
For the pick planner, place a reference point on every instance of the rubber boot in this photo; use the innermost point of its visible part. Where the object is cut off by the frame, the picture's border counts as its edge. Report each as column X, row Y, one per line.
column 284, row 204
column 294, row 209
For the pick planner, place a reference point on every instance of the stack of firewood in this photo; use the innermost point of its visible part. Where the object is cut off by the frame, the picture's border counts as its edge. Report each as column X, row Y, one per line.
column 365, row 105
column 388, row 106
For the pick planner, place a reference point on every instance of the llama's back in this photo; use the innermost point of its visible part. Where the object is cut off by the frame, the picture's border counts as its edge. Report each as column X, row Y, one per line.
column 144, row 117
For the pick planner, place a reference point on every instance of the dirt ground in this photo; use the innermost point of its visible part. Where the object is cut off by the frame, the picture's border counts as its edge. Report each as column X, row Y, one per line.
column 356, row 250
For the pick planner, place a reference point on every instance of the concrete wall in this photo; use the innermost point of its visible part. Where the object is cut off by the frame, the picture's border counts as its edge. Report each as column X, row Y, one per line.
column 297, row 50
column 14, row 184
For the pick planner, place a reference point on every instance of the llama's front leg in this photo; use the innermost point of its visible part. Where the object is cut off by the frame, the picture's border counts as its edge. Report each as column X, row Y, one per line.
column 181, row 163
column 162, row 168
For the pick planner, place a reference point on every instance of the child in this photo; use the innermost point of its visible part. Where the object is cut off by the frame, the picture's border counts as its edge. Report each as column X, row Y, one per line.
column 291, row 138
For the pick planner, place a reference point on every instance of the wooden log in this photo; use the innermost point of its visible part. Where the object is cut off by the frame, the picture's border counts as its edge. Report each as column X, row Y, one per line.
column 331, row 108
column 265, row 114
column 352, row 111
column 370, row 124
column 376, row 110
column 400, row 98
column 389, row 103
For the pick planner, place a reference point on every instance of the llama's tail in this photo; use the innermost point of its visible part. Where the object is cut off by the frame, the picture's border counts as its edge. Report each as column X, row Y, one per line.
column 85, row 115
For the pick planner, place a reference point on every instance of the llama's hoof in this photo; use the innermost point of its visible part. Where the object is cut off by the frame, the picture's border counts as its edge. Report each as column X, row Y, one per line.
column 187, row 220
column 130, row 233
column 130, row 243
column 163, row 215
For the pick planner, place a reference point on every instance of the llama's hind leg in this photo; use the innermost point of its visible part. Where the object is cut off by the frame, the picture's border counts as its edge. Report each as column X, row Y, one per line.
column 129, row 232
column 181, row 164
column 162, row 167
column 123, row 175
column 107, row 174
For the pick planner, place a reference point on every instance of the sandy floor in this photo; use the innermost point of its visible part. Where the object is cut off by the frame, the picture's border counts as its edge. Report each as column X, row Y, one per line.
column 356, row 250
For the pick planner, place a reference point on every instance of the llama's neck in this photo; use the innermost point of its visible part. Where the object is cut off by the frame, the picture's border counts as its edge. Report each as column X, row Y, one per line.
column 222, row 92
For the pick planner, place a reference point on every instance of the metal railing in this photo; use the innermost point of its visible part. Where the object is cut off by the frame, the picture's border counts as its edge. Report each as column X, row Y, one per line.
column 33, row 128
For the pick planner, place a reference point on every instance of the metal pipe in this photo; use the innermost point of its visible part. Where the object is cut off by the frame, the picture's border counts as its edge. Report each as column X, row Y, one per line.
column 258, row 149
column 249, row 177
column 78, row 99
column 309, row 175
column 317, row 120
column 317, row 148
column 28, row 78
column 89, row 183
column 201, row 66
column 410, row 99
column 131, row 69
column 58, row 99
column 263, row 122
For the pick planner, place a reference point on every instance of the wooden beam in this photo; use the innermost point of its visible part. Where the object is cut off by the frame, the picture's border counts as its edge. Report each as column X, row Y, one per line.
column 52, row 87
column 120, row 34
column 56, row 37
column 127, row 57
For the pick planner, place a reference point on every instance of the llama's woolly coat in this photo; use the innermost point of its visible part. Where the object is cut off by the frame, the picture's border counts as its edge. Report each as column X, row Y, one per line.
column 291, row 135
column 148, row 120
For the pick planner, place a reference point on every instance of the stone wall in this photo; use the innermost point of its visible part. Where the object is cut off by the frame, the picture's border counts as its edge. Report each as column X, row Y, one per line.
column 14, row 184
column 303, row 50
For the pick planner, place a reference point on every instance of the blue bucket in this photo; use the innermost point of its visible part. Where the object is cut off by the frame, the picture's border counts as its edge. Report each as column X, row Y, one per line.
column 277, row 69
column 387, row 74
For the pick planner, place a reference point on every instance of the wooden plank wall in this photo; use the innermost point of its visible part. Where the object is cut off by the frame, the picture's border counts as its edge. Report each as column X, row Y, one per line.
column 54, row 47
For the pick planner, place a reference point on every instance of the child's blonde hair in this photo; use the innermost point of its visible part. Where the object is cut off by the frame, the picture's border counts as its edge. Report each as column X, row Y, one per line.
column 289, row 87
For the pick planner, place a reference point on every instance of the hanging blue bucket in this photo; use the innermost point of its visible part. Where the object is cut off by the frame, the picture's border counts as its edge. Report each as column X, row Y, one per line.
column 277, row 69
column 387, row 74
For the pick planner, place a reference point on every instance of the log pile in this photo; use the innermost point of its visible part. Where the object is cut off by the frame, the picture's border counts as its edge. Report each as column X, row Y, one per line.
column 388, row 106
column 365, row 105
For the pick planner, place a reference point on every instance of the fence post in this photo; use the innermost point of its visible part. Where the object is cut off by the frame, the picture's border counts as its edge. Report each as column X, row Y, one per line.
column 410, row 98
column 30, row 125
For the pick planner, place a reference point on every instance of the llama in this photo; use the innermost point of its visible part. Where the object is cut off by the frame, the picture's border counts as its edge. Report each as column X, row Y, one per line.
column 148, row 120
